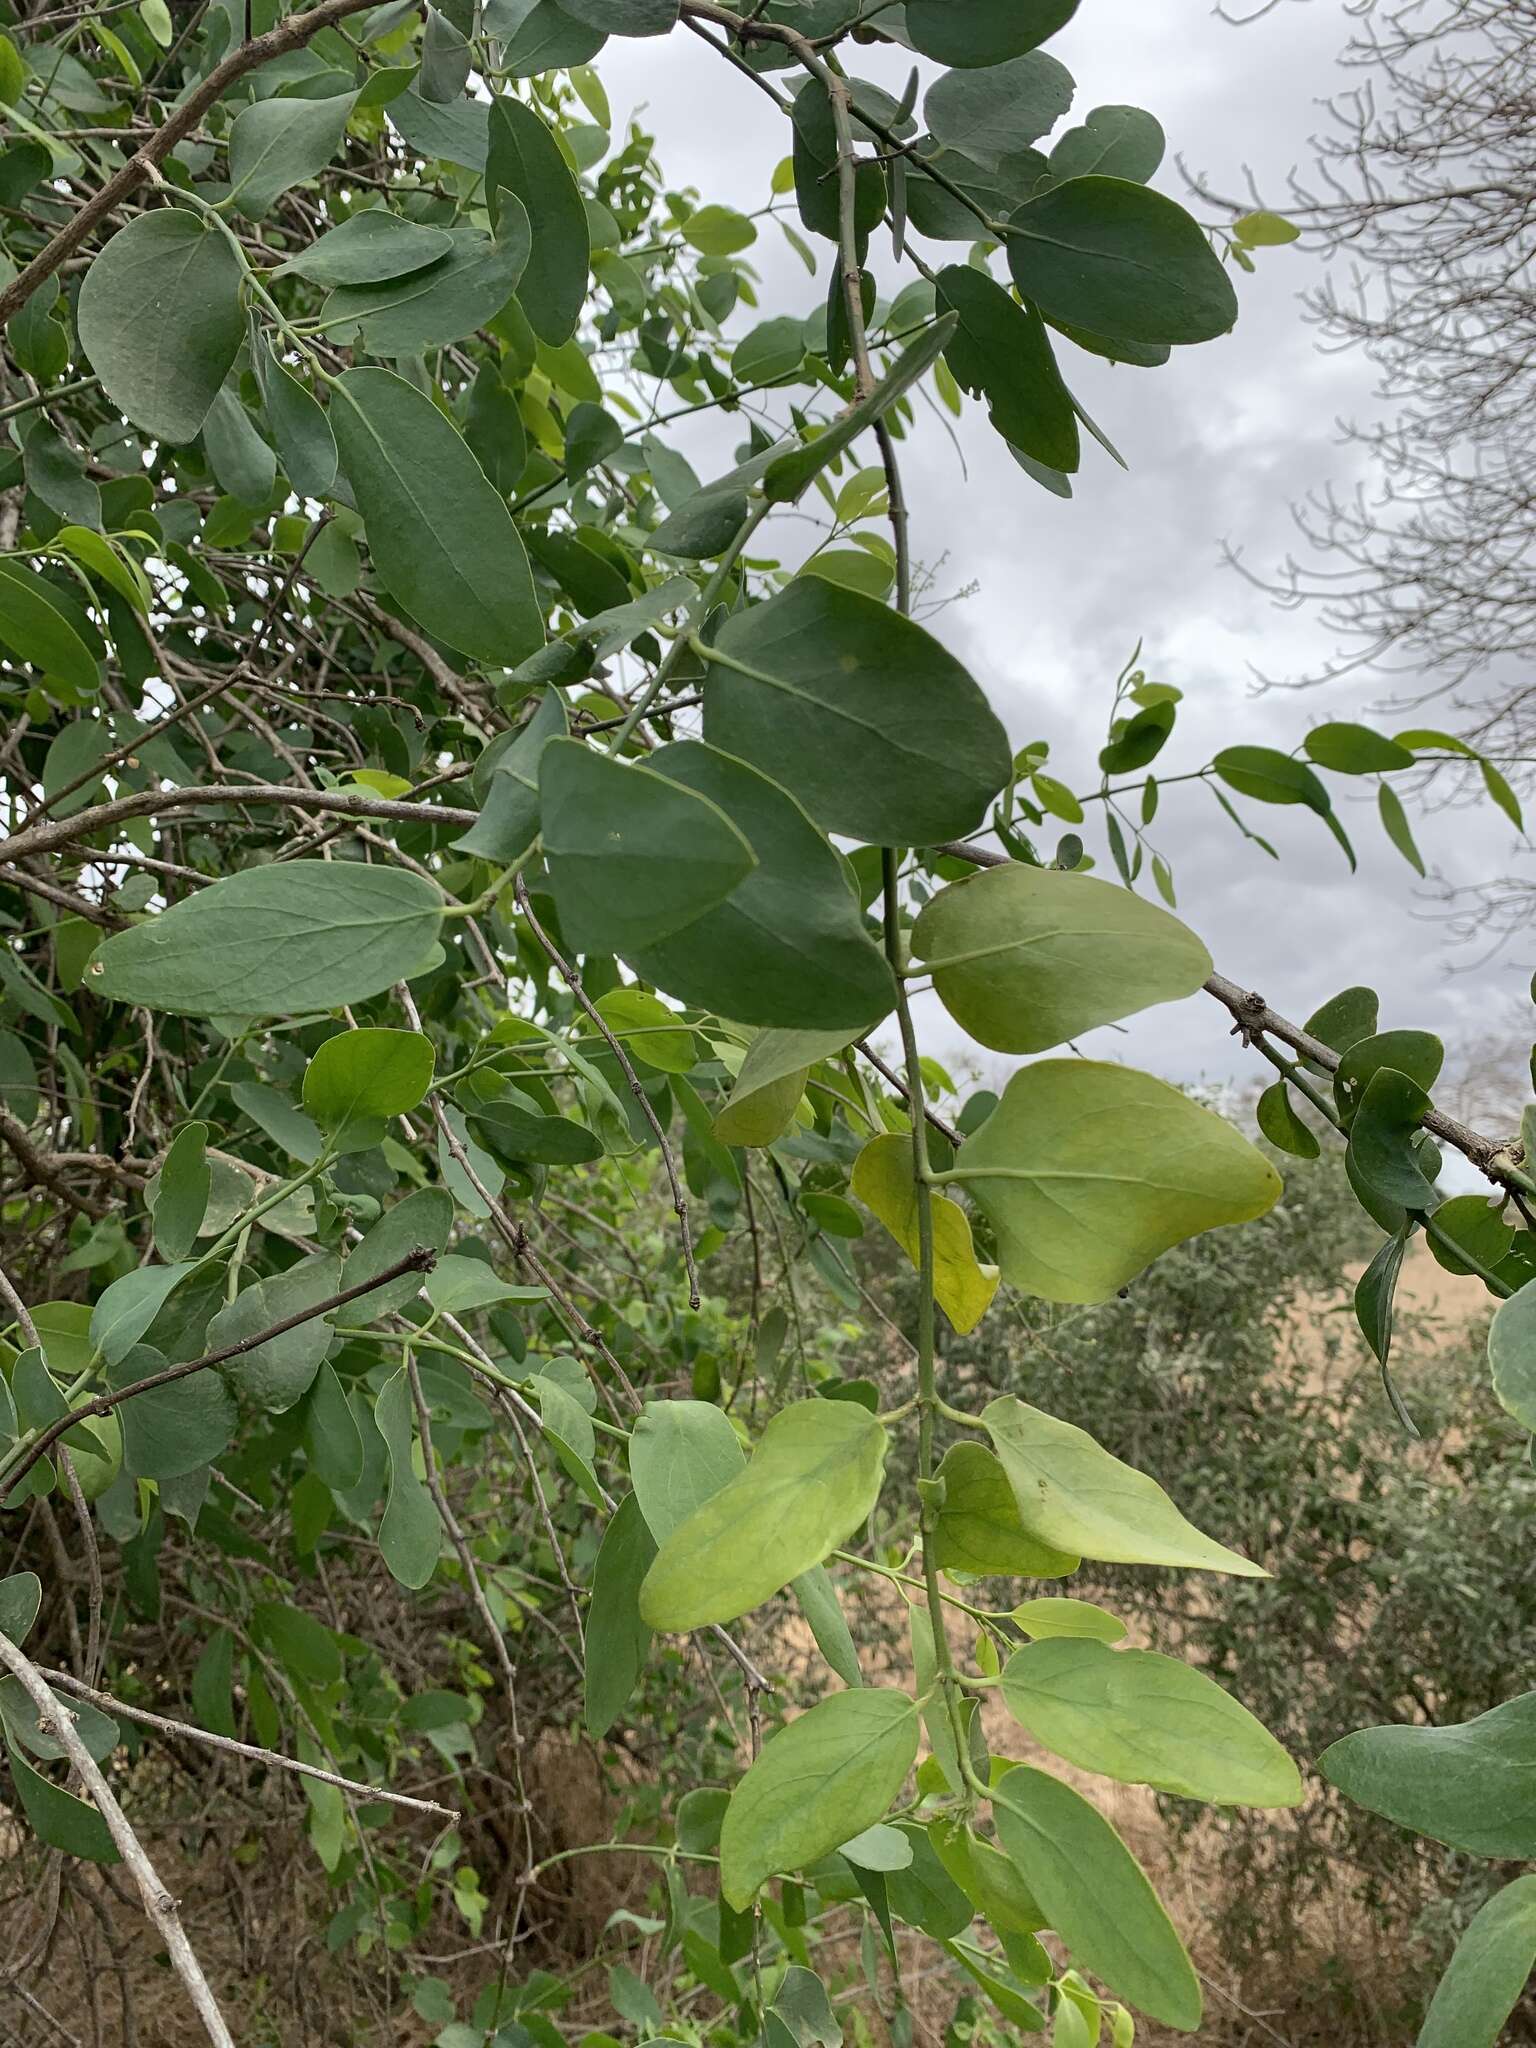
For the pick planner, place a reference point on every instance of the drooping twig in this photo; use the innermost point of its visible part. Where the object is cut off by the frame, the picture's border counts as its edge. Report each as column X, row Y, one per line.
column 158, row 1902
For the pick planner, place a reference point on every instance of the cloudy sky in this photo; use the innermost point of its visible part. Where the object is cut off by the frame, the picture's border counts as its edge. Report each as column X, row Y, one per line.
column 1219, row 444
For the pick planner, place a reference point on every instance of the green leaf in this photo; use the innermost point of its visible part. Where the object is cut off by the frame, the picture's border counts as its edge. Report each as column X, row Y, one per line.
column 987, row 1878
column 1264, row 230
column 306, row 447
column 1355, row 750
column 1048, row 1618
column 328, row 1429
column 58, row 1818
column 21, row 1596
column 23, row 1723
column 812, row 1481
column 625, row 17
column 1113, row 142
column 1502, row 794
column 1470, row 1785
column 824, row 1617
column 423, row 1218
column 279, row 142
column 125, row 1310
column 978, row 1527
column 359, row 1079
column 1487, row 1974
column 507, row 783
column 1074, row 1495
column 171, row 1430
column 458, row 1284
column 525, row 160
column 441, row 537
column 161, row 321
column 1282, row 1125
column 1145, row 1719
column 37, row 629
column 243, row 465
column 276, row 1374
column 1382, row 1158
column 1000, row 110
column 1095, row 1895
column 1000, row 352
column 652, row 1033
column 633, row 857
column 618, row 1641
column 815, row 165
column 1087, row 1172
column 276, row 940
column 181, row 1196
column 368, row 249
column 213, row 1684
column 862, row 716
column 410, row 1534
column 515, row 1131
column 1512, row 1354
column 1394, row 822
column 788, row 947
column 442, row 304
column 1417, row 1054
column 788, row 475
column 1120, row 260
column 681, row 1454
column 819, row 1782
column 1024, row 958
column 923, row 1893
column 967, row 33
column 1270, row 777
column 883, row 1179
column 770, row 1082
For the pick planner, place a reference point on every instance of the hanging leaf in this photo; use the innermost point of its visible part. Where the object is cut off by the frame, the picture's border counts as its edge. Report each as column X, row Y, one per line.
column 58, row 1818
column 1487, row 1974
column 181, row 1195
column 819, row 1781
column 410, row 1535
column 883, row 1180
column 633, row 857
column 1000, row 353
column 1087, row 1172
column 161, row 321
column 618, row 1641
column 862, row 716
column 1025, row 958
column 276, row 1374
column 525, row 161
column 813, row 1478
column 35, row 627
column 441, row 537
column 1095, row 1895
column 1280, row 1122
column 275, row 941
column 788, row 947
column 1074, row 1495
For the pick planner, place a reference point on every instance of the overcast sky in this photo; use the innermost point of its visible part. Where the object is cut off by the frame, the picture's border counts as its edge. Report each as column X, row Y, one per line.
column 1219, row 443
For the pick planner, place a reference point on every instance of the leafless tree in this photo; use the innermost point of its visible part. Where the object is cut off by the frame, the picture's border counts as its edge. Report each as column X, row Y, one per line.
column 1424, row 195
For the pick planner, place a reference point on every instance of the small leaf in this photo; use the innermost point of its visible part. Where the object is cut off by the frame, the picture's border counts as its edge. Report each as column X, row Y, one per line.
column 58, row 1818
column 618, row 1641
column 181, row 1196
column 978, row 1528
column 525, row 160
column 883, row 1179
column 410, row 1534
column 276, row 1374
column 279, row 142
column 1487, row 1974
column 1394, row 822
